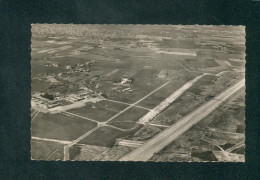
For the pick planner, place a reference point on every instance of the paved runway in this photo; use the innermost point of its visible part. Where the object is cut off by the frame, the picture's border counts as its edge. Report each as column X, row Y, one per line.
column 145, row 152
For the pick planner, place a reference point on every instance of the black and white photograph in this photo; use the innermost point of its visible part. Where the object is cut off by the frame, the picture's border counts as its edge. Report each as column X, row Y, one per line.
column 161, row 93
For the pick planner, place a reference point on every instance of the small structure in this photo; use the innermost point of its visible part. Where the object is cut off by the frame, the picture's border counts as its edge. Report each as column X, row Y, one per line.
column 54, row 64
column 126, row 81
column 68, row 67
column 53, row 104
column 75, row 98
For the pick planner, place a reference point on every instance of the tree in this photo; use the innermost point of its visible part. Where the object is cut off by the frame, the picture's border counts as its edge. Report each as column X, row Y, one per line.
column 48, row 96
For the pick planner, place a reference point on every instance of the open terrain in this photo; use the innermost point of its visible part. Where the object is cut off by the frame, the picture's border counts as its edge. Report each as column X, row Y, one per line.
column 157, row 143
column 100, row 111
column 60, row 126
column 221, row 132
column 46, row 150
column 101, row 92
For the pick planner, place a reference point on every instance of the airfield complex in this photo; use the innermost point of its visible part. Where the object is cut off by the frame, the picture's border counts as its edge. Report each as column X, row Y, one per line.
column 138, row 93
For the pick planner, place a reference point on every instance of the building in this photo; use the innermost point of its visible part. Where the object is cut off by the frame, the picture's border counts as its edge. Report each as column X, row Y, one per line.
column 68, row 67
column 126, row 81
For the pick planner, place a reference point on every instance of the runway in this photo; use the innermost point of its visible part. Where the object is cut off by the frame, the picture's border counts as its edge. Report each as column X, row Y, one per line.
column 145, row 152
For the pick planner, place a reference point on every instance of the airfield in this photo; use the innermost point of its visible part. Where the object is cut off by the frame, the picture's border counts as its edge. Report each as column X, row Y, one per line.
column 138, row 93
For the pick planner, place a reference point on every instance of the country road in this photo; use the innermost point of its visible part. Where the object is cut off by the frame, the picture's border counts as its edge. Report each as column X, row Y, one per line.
column 145, row 152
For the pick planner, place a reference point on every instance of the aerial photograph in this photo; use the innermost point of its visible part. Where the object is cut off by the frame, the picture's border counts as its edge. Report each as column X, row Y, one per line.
column 160, row 93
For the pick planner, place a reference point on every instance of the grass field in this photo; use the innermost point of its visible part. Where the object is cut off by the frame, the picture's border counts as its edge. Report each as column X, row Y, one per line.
column 40, row 69
column 43, row 150
column 38, row 85
column 147, row 132
column 86, row 152
column 156, row 98
column 99, row 111
column 127, row 119
column 237, row 63
column 104, row 136
column 203, row 90
column 32, row 111
column 60, row 126
column 191, row 98
column 141, row 87
column 115, row 153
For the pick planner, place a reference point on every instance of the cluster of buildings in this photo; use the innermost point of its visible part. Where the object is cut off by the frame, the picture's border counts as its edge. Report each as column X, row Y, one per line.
column 124, row 85
column 48, row 101
column 80, row 67
column 44, row 102
column 84, row 94
column 52, row 64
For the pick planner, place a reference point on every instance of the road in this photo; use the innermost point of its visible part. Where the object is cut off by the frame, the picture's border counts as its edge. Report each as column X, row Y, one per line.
column 66, row 148
column 121, row 112
column 35, row 114
column 145, row 152
column 51, row 140
column 127, row 104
